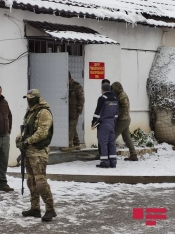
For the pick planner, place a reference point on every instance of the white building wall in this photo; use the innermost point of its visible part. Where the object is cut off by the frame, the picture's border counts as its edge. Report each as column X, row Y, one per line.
column 110, row 55
column 168, row 37
column 13, row 77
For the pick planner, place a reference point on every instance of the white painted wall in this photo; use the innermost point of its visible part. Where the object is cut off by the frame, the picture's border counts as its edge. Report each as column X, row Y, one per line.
column 13, row 78
column 168, row 37
column 134, row 73
column 110, row 55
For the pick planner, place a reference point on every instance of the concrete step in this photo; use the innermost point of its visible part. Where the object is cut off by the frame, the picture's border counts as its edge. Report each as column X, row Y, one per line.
column 110, row 179
column 57, row 156
column 139, row 151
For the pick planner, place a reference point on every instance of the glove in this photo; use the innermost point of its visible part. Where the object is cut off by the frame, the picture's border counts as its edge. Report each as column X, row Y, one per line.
column 23, row 145
column 18, row 159
column 18, row 140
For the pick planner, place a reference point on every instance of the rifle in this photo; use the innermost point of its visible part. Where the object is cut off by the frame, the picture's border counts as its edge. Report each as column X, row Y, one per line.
column 22, row 161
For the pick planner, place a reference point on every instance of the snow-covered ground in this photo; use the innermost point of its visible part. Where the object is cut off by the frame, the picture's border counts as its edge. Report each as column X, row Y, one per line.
column 96, row 208
column 161, row 163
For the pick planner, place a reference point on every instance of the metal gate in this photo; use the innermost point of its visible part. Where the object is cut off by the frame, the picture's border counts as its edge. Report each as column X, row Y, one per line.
column 49, row 74
column 76, row 67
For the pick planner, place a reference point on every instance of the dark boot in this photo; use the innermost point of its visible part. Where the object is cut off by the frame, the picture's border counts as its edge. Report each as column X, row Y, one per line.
column 34, row 213
column 102, row 166
column 133, row 157
column 6, row 188
column 49, row 215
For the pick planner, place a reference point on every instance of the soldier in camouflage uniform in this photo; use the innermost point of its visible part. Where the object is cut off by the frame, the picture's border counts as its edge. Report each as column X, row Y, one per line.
column 37, row 134
column 76, row 103
column 123, row 120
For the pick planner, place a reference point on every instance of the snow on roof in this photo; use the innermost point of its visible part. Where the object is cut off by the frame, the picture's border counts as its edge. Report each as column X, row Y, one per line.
column 132, row 11
column 83, row 37
column 70, row 33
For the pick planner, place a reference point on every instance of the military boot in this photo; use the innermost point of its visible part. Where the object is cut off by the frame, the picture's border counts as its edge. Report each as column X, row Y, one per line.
column 133, row 157
column 77, row 147
column 34, row 213
column 67, row 149
column 49, row 215
column 6, row 188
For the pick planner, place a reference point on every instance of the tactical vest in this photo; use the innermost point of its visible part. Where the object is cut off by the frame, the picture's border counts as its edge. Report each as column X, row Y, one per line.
column 29, row 129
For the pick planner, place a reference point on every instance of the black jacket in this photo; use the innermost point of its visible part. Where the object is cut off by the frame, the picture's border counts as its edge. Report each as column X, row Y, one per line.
column 107, row 108
column 5, row 117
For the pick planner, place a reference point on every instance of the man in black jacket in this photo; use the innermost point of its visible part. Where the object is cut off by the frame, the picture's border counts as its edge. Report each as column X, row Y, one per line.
column 5, row 130
column 123, row 120
column 105, row 114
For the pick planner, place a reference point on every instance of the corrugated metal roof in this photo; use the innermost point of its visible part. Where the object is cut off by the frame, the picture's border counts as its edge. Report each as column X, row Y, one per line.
column 132, row 11
column 60, row 27
column 70, row 33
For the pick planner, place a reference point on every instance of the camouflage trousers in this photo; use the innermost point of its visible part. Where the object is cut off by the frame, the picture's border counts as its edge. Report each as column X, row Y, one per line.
column 37, row 182
column 73, row 135
column 122, row 127
column 4, row 156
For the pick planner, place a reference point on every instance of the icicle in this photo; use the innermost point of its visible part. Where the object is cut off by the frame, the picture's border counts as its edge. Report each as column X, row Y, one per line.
column 9, row 3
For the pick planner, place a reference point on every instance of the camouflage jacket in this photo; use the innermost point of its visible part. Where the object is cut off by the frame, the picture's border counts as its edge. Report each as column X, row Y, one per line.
column 42, row 125
column 76, row 99
column 124, row 106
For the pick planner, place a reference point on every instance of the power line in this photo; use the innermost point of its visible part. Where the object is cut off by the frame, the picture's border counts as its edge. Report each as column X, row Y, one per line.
column 12, row 39
column 20, row 56
column 12, row 20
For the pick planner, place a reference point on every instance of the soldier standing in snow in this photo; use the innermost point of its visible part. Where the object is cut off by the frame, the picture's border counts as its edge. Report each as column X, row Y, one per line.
column 76, row 103
column 34, row 140
column 123, row 120
column 105, row 114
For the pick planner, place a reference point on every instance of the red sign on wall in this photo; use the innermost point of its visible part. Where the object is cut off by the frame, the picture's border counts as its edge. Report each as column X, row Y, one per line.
column 96, row 70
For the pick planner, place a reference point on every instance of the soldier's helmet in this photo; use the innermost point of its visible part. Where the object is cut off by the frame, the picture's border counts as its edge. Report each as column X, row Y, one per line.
column 33, row 93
